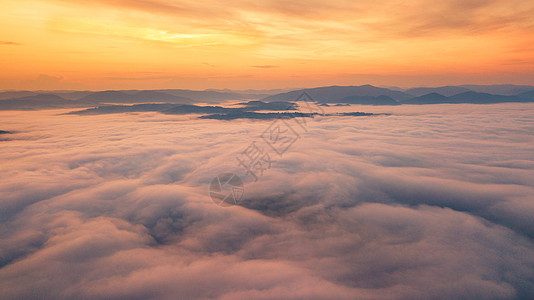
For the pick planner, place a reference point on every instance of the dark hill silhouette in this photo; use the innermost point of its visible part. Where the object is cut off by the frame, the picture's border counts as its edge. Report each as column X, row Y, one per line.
column 443, row 90
column 369, row 100
column 260, row 105
column 484, row 98
column 211, row 96
column 527, row 95
column 105, row 96
column 16, row 94
column 333, row 94
column 432, row 98
column 336, row 95
column 50, row 98
column 466, row 97
column 500, row 89
column 258, row 116
column 40, row 101
column 172, row 109
column 115, row 109
column 136, row 97
column 193, row 109
column 180, row 109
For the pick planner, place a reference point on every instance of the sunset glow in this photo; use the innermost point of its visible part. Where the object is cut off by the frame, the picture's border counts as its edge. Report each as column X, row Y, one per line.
column 55, row 44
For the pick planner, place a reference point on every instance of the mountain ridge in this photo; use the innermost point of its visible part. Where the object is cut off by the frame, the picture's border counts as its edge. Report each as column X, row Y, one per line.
column 339, row 95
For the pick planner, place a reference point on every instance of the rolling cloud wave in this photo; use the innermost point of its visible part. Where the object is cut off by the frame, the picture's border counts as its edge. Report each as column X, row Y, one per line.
column 428, row 202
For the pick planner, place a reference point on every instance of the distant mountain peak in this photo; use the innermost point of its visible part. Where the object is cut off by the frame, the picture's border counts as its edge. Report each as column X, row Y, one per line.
column 335, row 94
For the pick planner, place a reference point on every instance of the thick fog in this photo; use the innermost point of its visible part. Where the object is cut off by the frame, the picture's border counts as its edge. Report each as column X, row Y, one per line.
column 427, row 202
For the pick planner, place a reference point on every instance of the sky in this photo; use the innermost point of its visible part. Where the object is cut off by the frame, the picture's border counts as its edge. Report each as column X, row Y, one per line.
column 201, row 44
column 398, row 206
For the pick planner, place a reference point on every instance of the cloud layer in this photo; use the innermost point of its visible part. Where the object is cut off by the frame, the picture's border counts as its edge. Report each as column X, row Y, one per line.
column 428, row 202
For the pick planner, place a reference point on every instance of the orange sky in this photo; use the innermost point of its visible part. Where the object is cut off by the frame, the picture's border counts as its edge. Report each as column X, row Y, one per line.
column 122, row 44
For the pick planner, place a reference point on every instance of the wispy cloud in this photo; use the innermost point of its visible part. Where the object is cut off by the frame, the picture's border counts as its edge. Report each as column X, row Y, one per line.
column 266, row 67
column 208, row 64
column 340, row 36
column 10, row 43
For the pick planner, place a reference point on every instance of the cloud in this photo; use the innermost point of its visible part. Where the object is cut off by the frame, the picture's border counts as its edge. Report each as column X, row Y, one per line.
column 10, row 43
column 44, row 81
column 382, row 41
column 266, row 67
column 313, row 22
column 209, row 65
column 392, row 206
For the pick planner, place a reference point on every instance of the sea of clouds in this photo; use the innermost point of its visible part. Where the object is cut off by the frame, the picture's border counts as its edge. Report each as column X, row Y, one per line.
column 430, row 202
